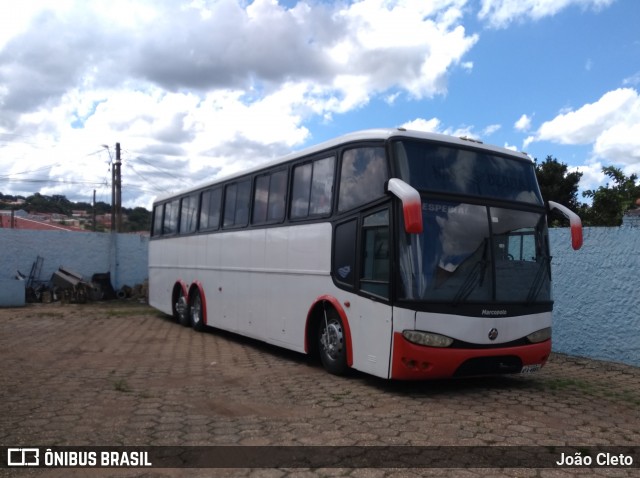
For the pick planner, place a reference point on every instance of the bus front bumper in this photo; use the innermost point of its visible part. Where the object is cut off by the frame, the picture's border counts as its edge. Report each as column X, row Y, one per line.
column 418, row 362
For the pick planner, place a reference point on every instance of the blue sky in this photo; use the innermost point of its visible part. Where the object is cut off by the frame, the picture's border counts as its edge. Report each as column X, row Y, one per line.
column 198, row 89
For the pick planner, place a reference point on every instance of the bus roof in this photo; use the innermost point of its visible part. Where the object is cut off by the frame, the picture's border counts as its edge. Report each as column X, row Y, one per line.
column 363, row 135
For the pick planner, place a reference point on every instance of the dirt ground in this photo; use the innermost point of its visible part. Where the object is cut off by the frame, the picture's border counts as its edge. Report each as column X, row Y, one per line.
column 122, row 374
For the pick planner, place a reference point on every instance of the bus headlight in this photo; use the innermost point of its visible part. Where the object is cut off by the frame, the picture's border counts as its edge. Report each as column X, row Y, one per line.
column 539, row 336
column 427, row 338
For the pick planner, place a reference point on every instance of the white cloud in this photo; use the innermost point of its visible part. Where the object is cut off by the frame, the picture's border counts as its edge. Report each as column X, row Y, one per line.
column 588, row 65
column 523, row 124
column 420, row 124
column 632, row 80
column 501, row 13
column 434, row 125
column 205, row 88
column 592, row 175
column 611, row 125
column 489, row 130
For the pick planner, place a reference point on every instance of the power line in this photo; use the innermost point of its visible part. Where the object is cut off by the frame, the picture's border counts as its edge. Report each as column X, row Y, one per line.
column 54, row 181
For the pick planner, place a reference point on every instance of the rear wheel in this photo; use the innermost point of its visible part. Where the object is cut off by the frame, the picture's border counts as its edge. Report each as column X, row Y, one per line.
column 331, row 343
column 196, row 312
column 181, row 309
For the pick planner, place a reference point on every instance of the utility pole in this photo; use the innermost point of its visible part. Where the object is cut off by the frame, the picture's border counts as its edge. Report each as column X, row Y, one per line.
column 118, row 190
column 94, row 211
column 113, row 194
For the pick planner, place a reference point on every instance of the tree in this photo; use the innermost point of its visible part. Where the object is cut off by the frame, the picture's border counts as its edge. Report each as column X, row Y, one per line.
column 138, row 219
column 610, row 202
column 559, row 185
column 52, row 204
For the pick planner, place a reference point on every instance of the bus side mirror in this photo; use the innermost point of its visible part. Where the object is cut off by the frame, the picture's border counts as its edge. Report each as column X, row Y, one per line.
column 411, row 204
column 574, row 221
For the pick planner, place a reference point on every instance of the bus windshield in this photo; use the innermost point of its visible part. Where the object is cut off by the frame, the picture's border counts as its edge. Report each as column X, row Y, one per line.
column 439, row 168
column 476, row 253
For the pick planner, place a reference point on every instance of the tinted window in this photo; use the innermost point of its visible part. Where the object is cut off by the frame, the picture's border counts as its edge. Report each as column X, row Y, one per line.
column 157, row 220
column 312, row 188
column 301, row 190
column 362, row 177
column 375, row 250
column 321, row 186
column 170, row 224
column 269, row 198
column 236, row 204
column 433, row 167
column 210, row 209
column 344, row 252
column 188, row 214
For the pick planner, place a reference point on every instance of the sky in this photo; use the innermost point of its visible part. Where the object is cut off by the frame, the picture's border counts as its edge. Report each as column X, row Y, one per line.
column 195, row 90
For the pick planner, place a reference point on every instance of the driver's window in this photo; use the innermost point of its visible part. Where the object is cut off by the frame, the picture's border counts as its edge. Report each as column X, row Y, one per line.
column 375, row 254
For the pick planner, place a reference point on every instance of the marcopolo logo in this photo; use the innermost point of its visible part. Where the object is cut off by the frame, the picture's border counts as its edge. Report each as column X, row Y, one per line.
column 494, row 312
column 23, row 457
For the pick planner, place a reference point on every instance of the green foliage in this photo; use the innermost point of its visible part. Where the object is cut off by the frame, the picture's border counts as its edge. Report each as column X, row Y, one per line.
column 610, row 202
column 138, row 219
column 56, row 204
column 559, row 185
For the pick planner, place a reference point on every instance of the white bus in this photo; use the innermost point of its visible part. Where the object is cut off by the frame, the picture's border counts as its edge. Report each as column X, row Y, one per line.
column 401, row 254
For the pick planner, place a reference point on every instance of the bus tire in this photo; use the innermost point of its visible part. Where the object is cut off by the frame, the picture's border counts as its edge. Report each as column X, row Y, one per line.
column 196, row 315
column 332, row 345
column 181, row 308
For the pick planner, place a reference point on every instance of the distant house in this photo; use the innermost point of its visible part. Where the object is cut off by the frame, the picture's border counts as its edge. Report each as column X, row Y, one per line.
column 42, row 222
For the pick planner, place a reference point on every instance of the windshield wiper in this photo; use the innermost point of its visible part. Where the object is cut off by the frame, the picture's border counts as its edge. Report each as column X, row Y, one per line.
column 474, row 278
column 538, row 281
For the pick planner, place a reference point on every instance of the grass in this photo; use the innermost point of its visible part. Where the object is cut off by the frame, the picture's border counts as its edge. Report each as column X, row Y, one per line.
column 590, row 388
column 121, row 385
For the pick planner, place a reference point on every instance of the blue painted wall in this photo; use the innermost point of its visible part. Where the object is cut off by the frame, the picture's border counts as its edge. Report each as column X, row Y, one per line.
column 125, row 256
column 597, row 294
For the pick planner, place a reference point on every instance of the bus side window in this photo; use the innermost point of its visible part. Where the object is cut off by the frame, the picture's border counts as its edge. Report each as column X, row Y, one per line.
column 363, row 174
column 210, row 209
column 157, row 220
column 312, row 188
column 188, row 214
column 269, row 198
column 236, row 204
column 170, row 223
column 344, row 252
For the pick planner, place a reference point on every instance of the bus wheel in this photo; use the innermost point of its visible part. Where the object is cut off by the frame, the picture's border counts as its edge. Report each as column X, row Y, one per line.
column 195, row 312
column 181, row 309
column 331, row 343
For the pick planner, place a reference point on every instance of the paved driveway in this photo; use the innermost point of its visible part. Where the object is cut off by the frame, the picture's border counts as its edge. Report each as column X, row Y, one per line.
column 120, row 373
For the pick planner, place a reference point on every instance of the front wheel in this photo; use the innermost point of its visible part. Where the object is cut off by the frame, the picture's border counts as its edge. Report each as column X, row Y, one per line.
column 331, row 343
column 196, row 312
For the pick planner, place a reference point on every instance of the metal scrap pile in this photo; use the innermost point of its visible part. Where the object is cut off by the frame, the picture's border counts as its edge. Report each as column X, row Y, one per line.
column 68, row 286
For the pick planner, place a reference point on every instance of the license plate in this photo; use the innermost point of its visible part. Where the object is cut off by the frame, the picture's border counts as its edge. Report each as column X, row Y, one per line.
column 531, row 368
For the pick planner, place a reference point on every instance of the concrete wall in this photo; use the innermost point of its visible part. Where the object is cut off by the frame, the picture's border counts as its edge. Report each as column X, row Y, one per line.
column 596, row 289
column 125, row 256
column 597, row 294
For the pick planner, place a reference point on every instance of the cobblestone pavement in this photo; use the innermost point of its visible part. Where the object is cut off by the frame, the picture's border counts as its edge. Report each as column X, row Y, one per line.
column 121, row 373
